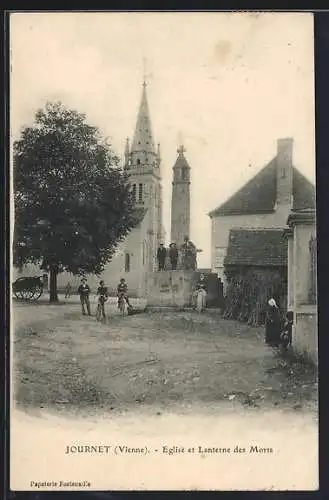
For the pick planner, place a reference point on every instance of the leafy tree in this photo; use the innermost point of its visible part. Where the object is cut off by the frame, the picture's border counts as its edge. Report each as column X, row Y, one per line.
column 72, row 201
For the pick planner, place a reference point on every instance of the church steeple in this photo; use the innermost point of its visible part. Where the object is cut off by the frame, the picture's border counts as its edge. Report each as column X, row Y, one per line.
column 143, row 147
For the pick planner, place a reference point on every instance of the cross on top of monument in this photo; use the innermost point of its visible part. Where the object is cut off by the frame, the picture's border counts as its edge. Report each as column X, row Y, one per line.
column 181, row 150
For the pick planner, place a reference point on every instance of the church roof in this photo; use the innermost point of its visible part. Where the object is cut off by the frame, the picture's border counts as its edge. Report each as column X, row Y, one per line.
column 259, row 194
column 257, row 247
column 143, row 138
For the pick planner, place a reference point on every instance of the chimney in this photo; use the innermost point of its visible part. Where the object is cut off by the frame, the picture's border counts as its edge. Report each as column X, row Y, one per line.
column 284, row 172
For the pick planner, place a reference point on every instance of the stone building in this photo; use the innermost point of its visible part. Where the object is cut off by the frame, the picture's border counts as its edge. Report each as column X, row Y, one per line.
column 262, row 203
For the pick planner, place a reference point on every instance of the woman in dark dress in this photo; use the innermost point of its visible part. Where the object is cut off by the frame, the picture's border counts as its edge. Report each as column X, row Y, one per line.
column 273, row 324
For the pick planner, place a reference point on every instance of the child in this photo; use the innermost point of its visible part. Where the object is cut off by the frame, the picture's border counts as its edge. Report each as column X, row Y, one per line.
column 286, row 335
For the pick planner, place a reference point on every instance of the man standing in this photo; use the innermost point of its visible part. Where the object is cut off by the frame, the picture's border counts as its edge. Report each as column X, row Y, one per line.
column 102, row 297
column 189, row 254
column 173, row 256
column 84, row 292
column 161, row 255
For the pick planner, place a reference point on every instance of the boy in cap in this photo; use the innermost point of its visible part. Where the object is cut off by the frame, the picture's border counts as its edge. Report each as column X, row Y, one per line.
column 161, row 256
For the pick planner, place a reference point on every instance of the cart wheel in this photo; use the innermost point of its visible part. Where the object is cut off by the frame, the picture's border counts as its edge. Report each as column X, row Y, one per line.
column 27, row 294
column 37, row 293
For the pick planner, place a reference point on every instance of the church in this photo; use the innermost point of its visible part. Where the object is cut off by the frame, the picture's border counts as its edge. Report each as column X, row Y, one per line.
column 135, row 257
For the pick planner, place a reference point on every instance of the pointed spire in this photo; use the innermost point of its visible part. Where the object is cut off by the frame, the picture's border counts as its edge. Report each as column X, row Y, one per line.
column 143, row 138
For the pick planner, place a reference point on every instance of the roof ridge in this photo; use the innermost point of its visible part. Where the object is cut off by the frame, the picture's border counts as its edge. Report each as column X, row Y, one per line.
column 259, row 194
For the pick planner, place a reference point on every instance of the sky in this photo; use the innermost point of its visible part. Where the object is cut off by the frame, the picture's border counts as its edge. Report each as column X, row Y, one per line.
column 227, row 85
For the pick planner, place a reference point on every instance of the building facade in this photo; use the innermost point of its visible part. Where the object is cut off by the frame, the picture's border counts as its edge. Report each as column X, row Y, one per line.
column 263, row 203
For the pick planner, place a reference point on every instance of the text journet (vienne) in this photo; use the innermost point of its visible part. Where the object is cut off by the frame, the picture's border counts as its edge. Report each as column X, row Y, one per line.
column 119, row 449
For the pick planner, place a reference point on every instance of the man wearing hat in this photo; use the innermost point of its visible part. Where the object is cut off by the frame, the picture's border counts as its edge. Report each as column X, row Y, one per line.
column 84, row 292
column 173, row 256
column 161, row 255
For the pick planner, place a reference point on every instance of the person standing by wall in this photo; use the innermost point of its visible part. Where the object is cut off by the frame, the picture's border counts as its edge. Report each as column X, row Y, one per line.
column 173, row 256
column 273, row 324
column 84, row 292
column 161, row 256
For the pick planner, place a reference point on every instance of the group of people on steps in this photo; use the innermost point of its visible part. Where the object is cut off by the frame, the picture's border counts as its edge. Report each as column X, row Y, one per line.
column 187, row 252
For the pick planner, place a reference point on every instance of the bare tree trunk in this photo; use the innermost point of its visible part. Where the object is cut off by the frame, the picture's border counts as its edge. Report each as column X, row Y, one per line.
column 53, row 296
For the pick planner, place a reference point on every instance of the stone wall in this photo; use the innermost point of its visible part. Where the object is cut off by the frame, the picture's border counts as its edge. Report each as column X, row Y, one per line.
column 171, row 288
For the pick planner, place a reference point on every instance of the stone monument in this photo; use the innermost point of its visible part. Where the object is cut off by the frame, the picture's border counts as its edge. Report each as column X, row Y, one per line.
column 174, row 288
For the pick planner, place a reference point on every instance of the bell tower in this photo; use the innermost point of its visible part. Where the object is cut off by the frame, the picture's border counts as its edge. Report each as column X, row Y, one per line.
column 180, row 200
column 142, row 162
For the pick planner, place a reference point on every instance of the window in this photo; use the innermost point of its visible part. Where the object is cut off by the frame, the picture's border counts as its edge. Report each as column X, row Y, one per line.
column 134, row 192
column 127, row 262
column 184, row 173
column 140, row 197
column 138, row 161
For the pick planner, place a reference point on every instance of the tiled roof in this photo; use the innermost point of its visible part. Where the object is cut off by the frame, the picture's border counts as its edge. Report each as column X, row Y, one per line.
column 259, row 194
column 256, row 247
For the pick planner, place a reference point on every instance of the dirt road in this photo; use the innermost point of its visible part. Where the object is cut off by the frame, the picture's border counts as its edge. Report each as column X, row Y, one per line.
column 68, row 362
column 171, row 384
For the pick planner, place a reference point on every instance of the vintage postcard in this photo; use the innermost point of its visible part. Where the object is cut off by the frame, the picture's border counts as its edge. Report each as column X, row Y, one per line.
column 163, row 265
